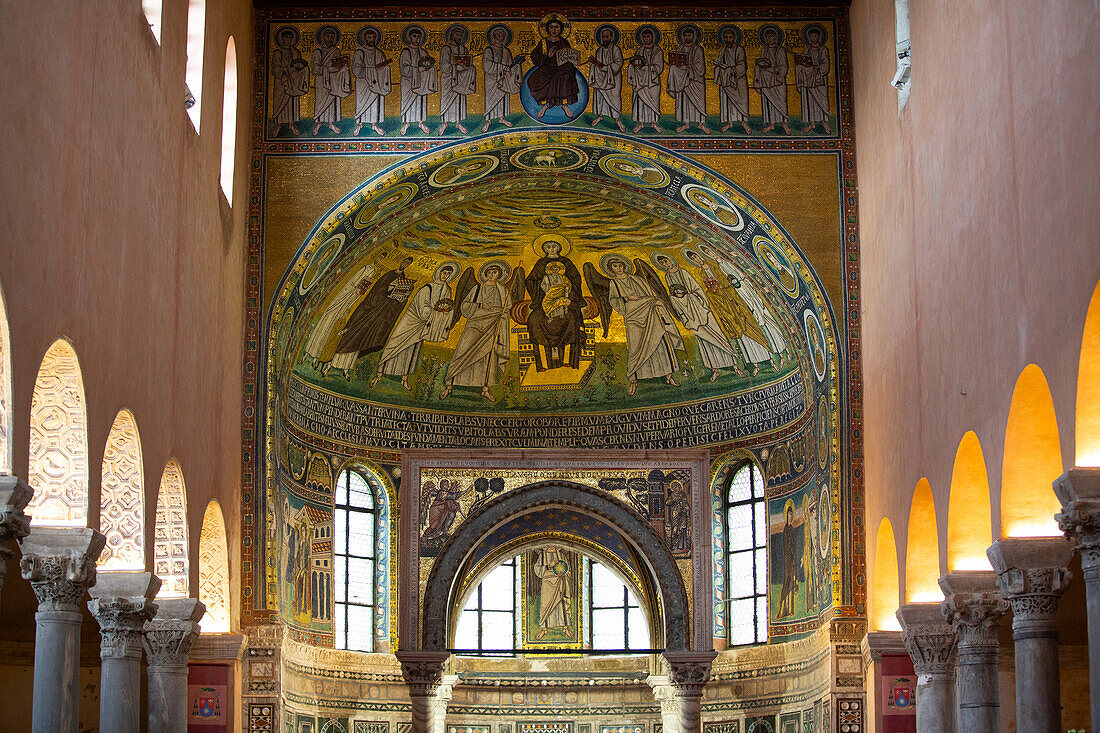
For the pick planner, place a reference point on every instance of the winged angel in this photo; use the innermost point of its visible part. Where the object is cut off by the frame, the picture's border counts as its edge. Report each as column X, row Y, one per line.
column 483, row 348
column 637, row 294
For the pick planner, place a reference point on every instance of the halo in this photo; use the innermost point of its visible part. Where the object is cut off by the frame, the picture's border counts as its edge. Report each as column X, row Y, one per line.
column 788, row 504
column 608, row 258
column 615, row 33
column 772, row 26
column 359, row 34
column 816, row 27
column 451, row 28
column 737, row 34
column 321, row 32
column 656, row 34
column 536, row 246
column 684, row 27
column 566, row 26
column 284, row 29
column 505, row 270
column 657, row 254
column 409, row 27
column 704, row 248
column 449, row 263
column 685, row 251
column 507, row 33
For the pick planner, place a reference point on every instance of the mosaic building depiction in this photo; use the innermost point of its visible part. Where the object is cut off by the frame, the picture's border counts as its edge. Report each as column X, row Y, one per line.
column 550, row 369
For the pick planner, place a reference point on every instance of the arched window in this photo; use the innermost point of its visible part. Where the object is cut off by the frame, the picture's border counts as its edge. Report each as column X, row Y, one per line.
column 746, row 526
column 152, row 9
column 500, row 616
column 615, row 618
column 214, row 570
column 487, row 623
column 7, row 410
column 122, row 497
column 229, row 120
column 170, row 549
column 355, row 573
column 902, row 48
column 196, row 42
column 58, row 470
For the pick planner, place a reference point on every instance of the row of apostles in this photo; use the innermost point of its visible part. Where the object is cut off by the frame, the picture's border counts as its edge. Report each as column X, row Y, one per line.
column 553, row 82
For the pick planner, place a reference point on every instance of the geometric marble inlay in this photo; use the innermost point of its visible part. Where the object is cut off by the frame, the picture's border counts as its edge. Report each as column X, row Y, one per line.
column 170, row 549
column 122, row 497
column 58, row 469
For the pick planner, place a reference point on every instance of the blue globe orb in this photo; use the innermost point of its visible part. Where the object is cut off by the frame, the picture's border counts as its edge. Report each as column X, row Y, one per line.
column 554, row 115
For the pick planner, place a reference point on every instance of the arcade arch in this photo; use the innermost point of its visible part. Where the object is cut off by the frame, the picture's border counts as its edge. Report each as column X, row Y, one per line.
column 969, row 516
column 1032, row 460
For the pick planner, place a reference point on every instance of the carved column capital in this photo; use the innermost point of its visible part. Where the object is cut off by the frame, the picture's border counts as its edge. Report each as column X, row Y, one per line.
column 59, row 562
column 171, row 633
column 121, row 621
column 1079, row 491
column 973, row 606
column 14, row 523
column 928, row 638
column 688, row 672
column 423, row 671
column 1032, row 576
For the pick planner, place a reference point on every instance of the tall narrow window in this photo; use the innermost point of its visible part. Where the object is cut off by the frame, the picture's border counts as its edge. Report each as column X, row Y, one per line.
column 170, row 546
column 901, row 47
column 355, row 531
column 746, row 557
column 214, row 570
column 229, row 120
column 616, row 621
column 152, row 9
column 196, row 41
column 487, row 624
column 122, row 497
column 58, row 470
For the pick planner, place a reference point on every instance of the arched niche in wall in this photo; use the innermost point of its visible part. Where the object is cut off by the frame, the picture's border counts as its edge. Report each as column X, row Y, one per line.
column 922, row 548
column 969, row 517
column 58, row 465
column 7, row 409
column 441, row 590
column 1032, row 460
column 214, row 571
column 229, row 120
column 122, row 497
column 171, row 550
column 886, row 587
column 1088, row 388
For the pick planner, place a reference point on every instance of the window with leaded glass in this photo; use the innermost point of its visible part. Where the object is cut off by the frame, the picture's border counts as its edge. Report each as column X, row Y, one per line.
column 746, row 557
column 354, row 555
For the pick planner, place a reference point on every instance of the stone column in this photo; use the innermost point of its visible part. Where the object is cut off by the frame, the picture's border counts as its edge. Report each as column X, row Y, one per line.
column 14, row 524
column 1079, row 491
column 1032, row 574
column 59, row 562
column 665, row 695
column 974, row 607
column 423, row 673
column 930, row 642
column 122, row 602
column 169, row 636
column 688, row 673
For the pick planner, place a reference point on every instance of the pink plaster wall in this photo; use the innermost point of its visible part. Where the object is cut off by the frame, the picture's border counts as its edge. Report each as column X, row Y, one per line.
column 979, row 224
column 115, row 233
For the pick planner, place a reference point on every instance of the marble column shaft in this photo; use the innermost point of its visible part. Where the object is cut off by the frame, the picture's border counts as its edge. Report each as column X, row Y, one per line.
column 14, row 523
column 931, row 644
column 974, row 608
column 1079, row 491
column 168, row 639
column 121, row 602
column 59, row 562
column 688, row 673
column 1032, row 575
column 665, row 695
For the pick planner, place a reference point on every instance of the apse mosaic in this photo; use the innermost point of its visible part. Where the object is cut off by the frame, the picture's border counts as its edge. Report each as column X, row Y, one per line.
column 544, row 231
column 343, row 79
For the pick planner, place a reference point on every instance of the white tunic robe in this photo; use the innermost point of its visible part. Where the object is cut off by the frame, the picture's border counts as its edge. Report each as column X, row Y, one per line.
column 652, row 338
column 688, row 85
column 693, row 310
column 733, row 86
column 289, row 86
column 502, row 80
column 372, row 84
column 607, row 82
column 646, row 81
column 417, row 83
column 420, row 322
column 813, row 85
column 771, row 81
column 331, row 84
column 483, row 348
column 455, row 81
